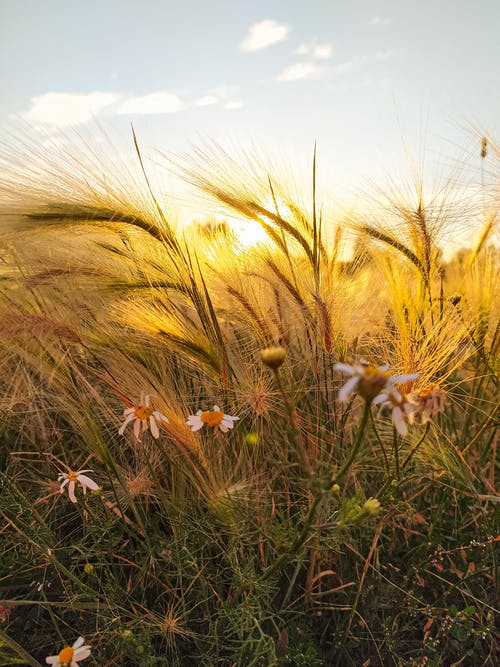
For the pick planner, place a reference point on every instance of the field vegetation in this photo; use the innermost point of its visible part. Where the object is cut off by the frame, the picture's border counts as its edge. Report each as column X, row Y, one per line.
column 210, row 454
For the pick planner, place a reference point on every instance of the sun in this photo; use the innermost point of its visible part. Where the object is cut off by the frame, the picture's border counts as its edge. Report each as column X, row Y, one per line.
column 248, row 233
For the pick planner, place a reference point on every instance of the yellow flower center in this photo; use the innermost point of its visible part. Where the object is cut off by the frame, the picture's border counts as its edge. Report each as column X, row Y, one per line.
column 143, row 411
column 428, row 391
column 66, row 655
column 374, row 373
column 212, row 417
column 372, row 382
column 73, row 477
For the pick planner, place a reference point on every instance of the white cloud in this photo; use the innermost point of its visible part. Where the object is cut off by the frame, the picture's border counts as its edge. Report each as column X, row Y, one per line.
column 342, row 68
column 381, row 20
column 322, row 51
column 263, row 34
column 301, row 71
column 63, row 109
column 224, row 91
column 154, row 103
column 386, row 54
column 235, row 104
column 206, row 101
column 319, row 51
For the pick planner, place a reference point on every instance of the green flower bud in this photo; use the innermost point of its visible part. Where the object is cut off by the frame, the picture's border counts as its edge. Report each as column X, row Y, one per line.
column 273, row 356
column 252, row 439
column 372, row 506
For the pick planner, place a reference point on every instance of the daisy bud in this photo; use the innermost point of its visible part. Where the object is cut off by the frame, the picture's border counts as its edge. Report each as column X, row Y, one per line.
column 372, row 506
column 273, row 356
column 335, row 488
column 252, row 439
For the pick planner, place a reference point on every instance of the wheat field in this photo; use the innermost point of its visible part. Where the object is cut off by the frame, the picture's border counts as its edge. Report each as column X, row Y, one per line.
column 218, row 454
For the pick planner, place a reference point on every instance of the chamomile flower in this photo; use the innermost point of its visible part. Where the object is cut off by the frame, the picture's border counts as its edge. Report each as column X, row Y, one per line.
column 71, row 479
column 213, row 417
column 427, row 402
column 368, row 380
column 402, row 411
column 70, row 655
column 143, row 415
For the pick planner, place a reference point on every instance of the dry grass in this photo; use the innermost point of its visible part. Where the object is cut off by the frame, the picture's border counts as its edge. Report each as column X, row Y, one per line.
column 231, row 548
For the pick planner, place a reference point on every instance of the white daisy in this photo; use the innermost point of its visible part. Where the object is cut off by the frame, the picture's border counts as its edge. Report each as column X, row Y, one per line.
column 427, row 402
column 70, row 655
column 143, row 415
column 402, row 411
column 213, row 417
column 368, row 380
column 72, row 478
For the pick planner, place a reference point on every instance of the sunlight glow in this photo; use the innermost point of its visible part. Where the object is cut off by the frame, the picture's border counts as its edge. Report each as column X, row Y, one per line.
column 248, row 233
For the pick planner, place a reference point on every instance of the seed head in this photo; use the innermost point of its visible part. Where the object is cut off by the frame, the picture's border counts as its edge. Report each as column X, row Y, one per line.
column 484, row 147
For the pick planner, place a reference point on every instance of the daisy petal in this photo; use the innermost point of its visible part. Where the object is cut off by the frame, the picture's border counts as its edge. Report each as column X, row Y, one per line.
column 127, row 421
column 344, row 368
column 87, row 482
column 196, row 427
column 71, row 492
column 155, row 432
column 348, row 388
column 409, row 377
column 399, row 422
column 82, row 653
column 381, row 398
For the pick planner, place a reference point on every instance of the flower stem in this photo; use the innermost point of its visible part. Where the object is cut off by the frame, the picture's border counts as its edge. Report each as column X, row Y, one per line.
column 381, row 443
column 417, row 445
column 356, row 446
column 396, row 453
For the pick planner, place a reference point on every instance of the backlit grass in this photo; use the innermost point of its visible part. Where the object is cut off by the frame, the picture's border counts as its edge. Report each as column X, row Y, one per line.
column 275, row 498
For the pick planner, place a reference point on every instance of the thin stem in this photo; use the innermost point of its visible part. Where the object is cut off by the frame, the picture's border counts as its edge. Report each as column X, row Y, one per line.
column 355, row 448
column 396, row 453
column 416, row 446
column 381, row 443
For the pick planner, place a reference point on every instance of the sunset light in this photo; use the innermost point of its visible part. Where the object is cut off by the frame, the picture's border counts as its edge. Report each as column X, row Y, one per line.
column 249, row 333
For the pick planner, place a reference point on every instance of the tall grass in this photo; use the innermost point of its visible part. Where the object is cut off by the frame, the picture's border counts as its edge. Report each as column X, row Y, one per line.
column 313, row 532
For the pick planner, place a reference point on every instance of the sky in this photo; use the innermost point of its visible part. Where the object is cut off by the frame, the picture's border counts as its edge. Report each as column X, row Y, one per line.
column 365, row 79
